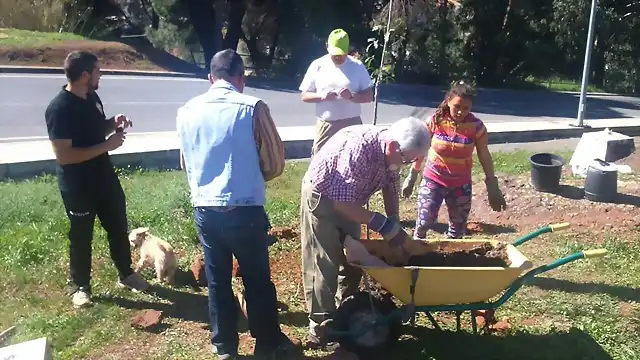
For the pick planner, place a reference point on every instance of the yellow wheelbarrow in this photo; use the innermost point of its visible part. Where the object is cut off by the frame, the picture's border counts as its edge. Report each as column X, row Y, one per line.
column 365, row 321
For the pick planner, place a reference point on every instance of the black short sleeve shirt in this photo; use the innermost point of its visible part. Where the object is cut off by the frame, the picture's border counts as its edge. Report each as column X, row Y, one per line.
column 82, row 121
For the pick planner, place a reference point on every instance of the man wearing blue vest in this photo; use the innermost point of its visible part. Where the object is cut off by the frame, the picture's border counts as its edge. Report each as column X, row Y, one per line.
column 227, row 178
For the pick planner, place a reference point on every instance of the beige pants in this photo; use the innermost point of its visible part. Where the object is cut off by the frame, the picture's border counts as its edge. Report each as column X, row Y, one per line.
column 327, row 278
column 326, row 129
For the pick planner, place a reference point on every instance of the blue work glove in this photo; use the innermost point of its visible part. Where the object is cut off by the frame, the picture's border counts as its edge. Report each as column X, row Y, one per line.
column 389, row 228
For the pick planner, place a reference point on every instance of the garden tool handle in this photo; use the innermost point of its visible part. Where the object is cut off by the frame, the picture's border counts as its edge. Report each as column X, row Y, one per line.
column 595, row 253
column 560, row 227
column 531, row 274
column 542, row 230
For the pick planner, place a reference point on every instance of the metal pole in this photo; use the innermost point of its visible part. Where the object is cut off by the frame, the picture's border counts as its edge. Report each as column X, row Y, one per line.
column 587, row 64
column 387, row 34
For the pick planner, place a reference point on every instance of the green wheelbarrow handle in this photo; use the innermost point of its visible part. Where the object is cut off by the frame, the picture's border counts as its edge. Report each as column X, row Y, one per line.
column 521, row 281
column 528, row 277
column 542, row 230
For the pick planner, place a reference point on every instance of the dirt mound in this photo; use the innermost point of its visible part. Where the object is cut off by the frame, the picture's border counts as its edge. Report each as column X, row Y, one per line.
column 529, row 209
column 146, row 319
column 482, row 255
column 283, row 233
column 113, row 55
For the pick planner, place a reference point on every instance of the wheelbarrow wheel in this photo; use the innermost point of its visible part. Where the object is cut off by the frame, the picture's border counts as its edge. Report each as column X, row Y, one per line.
column 369, row 330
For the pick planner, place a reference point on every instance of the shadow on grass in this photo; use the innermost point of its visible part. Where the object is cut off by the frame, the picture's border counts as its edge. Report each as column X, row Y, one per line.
column 183, row 305
column 621, row 292
column 577, row 193
column 294, row 318
column 426, row 343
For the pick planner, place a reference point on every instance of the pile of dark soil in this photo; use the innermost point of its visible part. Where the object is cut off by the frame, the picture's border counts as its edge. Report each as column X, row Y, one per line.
column 482, row 255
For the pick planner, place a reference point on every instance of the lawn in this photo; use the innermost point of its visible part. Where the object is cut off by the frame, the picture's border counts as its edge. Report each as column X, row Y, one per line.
column 23, row 38
column 585, row 310
column 49, row 49
column 556, row 84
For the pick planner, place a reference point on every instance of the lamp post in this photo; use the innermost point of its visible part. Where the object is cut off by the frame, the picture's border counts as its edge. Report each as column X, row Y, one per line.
column 587, row 64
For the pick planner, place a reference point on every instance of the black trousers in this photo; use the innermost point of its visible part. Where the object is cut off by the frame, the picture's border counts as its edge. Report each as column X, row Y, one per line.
column 100, row 196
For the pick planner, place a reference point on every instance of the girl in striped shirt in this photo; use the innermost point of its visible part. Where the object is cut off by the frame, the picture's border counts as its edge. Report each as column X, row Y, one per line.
column 456, row 133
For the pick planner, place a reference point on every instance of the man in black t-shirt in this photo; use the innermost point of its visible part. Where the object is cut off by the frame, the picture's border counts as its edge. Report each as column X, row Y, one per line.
column 87, row 180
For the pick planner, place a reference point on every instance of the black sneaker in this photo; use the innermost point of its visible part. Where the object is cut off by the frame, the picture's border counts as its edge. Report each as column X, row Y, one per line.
column 320, row 343
column 286, row 348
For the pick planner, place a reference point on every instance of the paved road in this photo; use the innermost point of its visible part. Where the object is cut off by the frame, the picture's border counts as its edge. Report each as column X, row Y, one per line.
column 152, row 102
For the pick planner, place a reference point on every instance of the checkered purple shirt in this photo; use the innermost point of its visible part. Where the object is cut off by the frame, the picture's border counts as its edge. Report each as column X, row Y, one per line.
column 351, row 166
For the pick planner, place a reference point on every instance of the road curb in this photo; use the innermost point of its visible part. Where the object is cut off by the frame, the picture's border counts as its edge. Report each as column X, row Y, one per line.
column 294, row 150
column 8, row 69
column 168, row 159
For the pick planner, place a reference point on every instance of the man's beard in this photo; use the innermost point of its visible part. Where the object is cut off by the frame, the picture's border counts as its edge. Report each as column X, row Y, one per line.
column 93, row 87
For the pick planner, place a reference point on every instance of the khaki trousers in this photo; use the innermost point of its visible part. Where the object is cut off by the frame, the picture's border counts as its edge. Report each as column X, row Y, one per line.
column 327, row 278
column 326, row 129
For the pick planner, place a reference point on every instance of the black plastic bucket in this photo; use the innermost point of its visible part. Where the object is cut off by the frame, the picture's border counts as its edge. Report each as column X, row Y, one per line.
column 601, row 184
column 546, row 171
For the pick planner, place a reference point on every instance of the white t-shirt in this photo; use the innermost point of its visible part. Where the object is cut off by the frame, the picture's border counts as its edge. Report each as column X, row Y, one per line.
column 323, row 76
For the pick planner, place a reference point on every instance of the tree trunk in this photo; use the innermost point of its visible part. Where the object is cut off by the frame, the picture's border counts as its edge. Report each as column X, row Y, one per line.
column 254, row 52
column 202, row 16
column 280, row 17
column 599, row 62
column 504, row 38
column 398, row 66
column 444, row 11
column 272, row 49
column 237, row 10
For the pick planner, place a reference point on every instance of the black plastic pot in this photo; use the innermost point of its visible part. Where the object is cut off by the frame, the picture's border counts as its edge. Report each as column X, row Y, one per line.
column 546, row 171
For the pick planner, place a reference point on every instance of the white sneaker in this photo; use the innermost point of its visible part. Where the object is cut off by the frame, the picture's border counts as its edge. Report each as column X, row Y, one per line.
column 81, row 299
column 134, row 282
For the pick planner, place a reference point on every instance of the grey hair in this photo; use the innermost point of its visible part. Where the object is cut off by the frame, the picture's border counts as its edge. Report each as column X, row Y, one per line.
column 411, row 134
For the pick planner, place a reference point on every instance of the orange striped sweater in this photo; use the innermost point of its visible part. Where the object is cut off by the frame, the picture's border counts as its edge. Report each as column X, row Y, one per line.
column 450, row 158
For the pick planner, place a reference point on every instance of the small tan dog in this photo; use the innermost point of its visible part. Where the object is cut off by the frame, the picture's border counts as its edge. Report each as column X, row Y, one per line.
column 154, row 251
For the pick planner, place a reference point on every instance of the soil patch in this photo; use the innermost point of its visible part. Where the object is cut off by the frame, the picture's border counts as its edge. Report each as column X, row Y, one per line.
column 112, row 55
column 115, row 55
column 283, row 233
column 481, row 255
column 529, row 209
column 147, row 319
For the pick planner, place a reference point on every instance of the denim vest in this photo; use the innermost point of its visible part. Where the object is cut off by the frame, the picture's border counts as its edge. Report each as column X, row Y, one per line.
column 220, row 152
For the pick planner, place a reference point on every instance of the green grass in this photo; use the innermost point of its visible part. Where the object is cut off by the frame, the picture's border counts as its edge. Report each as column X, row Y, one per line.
column 22, row 38
column 586, row 310
column 557, row 84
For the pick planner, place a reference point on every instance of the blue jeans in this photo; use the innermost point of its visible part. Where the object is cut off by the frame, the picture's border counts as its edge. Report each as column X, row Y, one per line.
column 241, row 232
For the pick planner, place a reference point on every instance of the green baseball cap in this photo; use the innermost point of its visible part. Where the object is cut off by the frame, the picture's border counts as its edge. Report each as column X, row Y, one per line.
column 338, row 42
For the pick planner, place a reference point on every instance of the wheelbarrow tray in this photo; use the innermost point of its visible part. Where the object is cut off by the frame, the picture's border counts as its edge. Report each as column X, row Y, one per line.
column 441, row 285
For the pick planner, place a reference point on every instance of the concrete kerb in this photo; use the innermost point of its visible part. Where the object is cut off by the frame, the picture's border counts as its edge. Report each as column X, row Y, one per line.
column 300, row 148
column 168, row 159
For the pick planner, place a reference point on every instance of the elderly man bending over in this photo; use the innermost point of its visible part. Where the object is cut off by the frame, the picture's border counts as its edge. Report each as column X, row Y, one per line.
column 355, row 163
